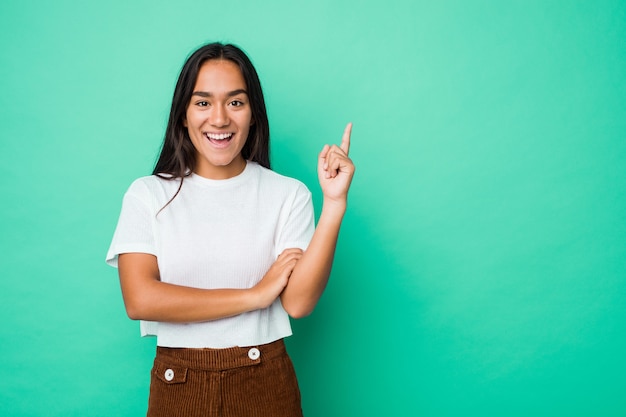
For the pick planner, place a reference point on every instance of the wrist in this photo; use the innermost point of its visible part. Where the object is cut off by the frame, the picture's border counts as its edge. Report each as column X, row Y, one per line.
column 334, row 206
column 252, row 298
column 333, row 209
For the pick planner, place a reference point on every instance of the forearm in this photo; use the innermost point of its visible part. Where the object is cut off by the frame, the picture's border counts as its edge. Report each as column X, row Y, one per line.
column 147, row 298
column 178, row 304
column 310, row 275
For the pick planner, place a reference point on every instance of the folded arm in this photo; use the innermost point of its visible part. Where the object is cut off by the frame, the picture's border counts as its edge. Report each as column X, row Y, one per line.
column 147, row 298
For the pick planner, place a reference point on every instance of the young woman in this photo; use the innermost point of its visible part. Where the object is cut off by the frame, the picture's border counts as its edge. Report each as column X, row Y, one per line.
column 215, row 250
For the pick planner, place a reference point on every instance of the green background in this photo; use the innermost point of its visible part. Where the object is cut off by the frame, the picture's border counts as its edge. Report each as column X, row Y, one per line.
column 481, row 269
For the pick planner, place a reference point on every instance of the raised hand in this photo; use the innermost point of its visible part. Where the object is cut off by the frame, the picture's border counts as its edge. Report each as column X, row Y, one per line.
column 335, row 169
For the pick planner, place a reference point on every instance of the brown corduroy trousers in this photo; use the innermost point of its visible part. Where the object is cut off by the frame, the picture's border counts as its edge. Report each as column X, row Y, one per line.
column 236, row 382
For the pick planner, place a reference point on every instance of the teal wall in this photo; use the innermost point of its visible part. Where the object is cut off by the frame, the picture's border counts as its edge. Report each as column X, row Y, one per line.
column 481, row 270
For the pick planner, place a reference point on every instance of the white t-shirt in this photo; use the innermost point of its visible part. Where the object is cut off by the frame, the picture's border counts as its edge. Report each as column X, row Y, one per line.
column 216, row 234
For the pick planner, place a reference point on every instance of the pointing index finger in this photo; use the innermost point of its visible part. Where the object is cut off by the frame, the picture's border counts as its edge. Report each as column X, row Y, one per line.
column 345, row 140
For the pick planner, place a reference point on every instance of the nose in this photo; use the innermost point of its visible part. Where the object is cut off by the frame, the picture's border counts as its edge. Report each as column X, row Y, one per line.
column 219, row 116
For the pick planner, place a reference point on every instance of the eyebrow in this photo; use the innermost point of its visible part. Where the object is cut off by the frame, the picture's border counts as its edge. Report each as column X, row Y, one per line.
column 228, row 94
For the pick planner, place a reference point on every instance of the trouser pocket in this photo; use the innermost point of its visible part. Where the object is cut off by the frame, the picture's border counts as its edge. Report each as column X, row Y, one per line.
column 169, row 390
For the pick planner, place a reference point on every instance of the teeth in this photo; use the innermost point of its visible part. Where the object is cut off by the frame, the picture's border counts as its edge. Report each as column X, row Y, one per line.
column 218, row 136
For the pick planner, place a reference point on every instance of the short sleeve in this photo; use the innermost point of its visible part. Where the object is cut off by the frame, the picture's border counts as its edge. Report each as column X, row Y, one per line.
column 299, row 225
column 135, row 229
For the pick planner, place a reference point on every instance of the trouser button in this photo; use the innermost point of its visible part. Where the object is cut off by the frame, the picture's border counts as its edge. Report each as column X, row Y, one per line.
column 254, row 354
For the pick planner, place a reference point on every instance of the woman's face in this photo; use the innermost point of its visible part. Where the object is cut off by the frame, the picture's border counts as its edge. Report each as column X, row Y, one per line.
column 218, row 119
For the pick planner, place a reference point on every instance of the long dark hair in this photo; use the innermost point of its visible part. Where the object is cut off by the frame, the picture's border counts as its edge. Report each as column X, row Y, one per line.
column 178, row 157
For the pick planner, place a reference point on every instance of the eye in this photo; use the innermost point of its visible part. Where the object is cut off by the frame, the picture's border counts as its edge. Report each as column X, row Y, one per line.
column 202, row 103
column 236, row 103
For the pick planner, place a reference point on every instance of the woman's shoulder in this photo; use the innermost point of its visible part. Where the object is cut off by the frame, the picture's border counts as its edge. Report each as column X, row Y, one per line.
column 276, row 179
column 151, row 185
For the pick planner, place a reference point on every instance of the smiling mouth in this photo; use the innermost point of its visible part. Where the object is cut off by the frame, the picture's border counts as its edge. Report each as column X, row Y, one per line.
column 219, row 138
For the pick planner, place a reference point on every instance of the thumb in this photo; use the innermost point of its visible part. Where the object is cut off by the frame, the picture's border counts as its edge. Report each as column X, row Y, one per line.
column 321, row 161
